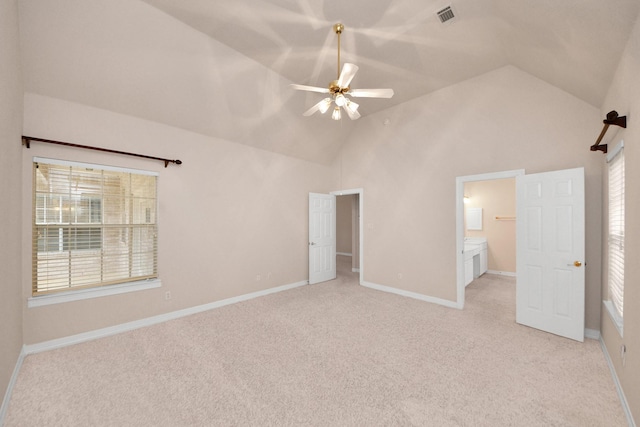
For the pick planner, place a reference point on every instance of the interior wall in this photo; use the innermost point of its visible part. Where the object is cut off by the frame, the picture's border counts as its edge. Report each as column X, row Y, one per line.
column 408, row 157
column 10, row 175
column 344, row 224
column 231, row 219
column 156, row 86
column 624, row 97
column 497, row 198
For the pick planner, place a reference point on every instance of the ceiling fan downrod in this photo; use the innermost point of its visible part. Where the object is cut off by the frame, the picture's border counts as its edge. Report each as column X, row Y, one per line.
column 338, row 28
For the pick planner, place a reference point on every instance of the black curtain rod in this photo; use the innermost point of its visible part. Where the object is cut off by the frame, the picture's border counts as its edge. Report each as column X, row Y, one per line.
column 612, row 119
column 26, row 140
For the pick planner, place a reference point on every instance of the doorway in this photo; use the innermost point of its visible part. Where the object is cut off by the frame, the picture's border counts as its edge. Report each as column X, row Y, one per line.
column 460, row 222
column 349, row 224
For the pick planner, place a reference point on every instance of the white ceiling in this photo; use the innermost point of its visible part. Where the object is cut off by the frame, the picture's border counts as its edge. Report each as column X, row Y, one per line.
column 572, row 44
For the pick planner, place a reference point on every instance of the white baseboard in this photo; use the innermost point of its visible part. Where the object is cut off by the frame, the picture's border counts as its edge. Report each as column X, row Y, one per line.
column 414, row 295
column 616, row 381
column 129, row 326
column 591, row 334
column 502, row 273
column 344, row 253
column 12, row 383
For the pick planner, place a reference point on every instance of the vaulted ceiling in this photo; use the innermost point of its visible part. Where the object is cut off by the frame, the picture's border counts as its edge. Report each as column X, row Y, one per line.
column 572, row 44
column 222, row 68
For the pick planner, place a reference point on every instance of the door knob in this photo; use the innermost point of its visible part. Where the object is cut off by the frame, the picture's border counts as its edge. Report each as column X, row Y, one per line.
column 312, row 243
column 577, row 263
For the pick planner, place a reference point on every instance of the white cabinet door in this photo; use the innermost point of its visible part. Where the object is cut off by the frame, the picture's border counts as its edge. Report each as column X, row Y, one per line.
column 468, row 271
column 484, row 263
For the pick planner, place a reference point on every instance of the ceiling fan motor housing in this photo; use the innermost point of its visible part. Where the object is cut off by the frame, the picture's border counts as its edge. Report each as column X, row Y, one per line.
column 335, row 89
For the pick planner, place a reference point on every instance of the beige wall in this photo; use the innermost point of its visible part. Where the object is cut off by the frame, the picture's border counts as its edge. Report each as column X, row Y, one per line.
column 231, row 212
column 343, row 223
column 10, row 194
column 624, row 97
column 497, row 198
column 228, row 214
column 503, row 120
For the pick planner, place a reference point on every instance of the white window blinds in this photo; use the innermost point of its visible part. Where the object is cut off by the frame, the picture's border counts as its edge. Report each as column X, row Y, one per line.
column 92, row 226
column 616, row 228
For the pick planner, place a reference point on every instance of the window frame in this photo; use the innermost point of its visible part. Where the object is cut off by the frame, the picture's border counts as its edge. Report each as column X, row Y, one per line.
column 98, row 290
column 609, row 304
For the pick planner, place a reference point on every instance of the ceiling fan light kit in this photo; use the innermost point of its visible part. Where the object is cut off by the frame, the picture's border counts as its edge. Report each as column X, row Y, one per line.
column 340, row 91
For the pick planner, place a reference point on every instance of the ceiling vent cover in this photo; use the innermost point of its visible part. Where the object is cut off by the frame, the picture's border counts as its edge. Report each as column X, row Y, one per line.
column 446, row 14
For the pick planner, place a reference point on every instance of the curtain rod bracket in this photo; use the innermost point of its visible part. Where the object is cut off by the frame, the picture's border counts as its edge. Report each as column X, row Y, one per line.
column 612, row 119
column 26, row 141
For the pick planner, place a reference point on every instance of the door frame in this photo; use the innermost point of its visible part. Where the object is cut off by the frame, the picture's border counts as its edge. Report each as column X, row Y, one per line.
column 460, row 181
column 360, row 193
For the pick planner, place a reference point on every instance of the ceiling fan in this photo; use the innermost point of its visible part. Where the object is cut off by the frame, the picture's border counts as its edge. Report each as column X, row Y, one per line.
column 340, row 91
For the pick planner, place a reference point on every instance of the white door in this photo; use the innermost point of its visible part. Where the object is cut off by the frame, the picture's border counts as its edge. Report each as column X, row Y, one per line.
column 322, row 237
column 550, row 248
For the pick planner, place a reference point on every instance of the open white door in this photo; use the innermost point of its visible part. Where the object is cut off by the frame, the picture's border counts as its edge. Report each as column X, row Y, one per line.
column 322, row 237
column 550, row 263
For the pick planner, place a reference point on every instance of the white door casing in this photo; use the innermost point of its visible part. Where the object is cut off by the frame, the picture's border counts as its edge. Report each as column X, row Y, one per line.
column 550, row 287
column 322, row 237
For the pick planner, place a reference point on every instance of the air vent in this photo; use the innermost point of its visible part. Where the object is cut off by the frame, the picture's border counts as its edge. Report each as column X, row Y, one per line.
column 446, row 14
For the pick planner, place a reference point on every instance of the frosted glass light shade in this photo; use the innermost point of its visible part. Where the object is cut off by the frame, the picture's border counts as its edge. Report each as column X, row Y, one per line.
column 324, row 105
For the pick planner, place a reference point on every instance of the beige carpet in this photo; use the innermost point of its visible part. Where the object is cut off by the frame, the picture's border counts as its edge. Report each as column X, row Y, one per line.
column 331, row 354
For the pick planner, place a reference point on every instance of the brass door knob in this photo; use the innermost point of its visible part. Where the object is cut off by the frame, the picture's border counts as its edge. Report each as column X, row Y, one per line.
column 577, row 263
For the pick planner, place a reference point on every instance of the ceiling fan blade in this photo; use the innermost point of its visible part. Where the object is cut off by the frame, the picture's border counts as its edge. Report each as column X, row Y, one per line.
column 371, row 93
column 353, row 114
column 319, row 107
column 347, row 74
column 310, row 88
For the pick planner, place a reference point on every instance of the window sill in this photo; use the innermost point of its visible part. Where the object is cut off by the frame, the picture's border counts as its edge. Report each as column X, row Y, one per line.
column 615, row 317
column 83, row 294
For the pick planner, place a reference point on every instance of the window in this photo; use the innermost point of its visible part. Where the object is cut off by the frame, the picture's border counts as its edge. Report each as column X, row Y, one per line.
column 93, row 226
column 616, row 227
column 52, row 237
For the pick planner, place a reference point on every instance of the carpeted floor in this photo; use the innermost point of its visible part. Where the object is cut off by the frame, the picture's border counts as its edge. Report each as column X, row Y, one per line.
column 331, row 354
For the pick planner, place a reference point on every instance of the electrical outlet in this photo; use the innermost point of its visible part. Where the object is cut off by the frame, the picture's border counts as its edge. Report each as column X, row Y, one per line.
column 167, row 295
column 258, row 278
column 400, row 276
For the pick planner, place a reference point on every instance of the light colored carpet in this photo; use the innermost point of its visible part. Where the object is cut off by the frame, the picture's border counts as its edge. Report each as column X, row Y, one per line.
column 331, row 354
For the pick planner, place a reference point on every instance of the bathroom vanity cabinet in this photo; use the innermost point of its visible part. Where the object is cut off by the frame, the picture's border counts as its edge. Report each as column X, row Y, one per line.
column 475, row 258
